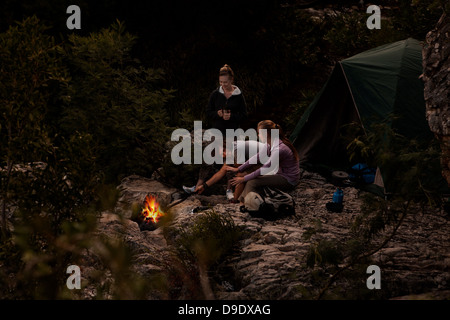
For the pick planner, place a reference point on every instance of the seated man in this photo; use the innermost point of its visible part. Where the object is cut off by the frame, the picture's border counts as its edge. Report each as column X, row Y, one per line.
column 242, row 150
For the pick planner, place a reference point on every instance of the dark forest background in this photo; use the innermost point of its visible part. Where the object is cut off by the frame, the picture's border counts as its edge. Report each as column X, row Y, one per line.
column 81, row 109
column 281, row 56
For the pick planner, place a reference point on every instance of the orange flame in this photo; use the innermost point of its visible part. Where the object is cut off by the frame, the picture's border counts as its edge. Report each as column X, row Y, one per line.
column 151, row 209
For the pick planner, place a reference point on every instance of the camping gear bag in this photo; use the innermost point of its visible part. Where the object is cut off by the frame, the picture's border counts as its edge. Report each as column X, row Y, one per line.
column 361, row 173
column 269, row 203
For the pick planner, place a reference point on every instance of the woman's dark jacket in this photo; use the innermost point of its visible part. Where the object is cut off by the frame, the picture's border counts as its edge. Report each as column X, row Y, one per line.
column 235, row 103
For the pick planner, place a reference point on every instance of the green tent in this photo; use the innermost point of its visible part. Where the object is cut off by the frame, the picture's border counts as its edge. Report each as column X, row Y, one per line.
column 369, row 87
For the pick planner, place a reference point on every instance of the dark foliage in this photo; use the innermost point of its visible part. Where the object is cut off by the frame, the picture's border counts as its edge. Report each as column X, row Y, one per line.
column 95, row 104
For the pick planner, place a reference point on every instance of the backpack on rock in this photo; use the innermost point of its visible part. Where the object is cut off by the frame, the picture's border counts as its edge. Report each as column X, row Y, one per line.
column 269, row 203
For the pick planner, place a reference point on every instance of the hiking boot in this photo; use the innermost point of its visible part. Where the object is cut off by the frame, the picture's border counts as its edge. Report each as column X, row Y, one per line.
column 189, row 190
column 230, row 194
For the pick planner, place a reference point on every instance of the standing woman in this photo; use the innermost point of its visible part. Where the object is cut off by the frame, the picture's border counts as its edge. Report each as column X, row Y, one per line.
column 278, row 150
column 226, row 107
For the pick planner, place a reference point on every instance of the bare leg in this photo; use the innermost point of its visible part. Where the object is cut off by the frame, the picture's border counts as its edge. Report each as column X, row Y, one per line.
column 199, row 183
column 218, row 176
column 240, row 187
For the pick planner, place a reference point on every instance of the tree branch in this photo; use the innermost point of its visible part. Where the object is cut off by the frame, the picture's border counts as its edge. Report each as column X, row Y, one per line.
column 366, row 255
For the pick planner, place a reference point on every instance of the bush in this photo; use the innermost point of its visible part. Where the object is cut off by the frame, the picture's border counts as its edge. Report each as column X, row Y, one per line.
column 117, row 101
column 208, row 239
column 323, row 253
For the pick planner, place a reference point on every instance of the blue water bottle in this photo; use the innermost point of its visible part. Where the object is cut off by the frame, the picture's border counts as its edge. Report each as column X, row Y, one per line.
column 338, row 196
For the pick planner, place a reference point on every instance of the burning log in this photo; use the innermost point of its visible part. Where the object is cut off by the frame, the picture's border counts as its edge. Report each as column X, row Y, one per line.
column 146, row 225
column 150, row 215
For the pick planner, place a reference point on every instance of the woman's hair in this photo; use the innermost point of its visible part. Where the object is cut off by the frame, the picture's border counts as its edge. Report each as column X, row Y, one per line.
column 269, row 124
column 226, row 71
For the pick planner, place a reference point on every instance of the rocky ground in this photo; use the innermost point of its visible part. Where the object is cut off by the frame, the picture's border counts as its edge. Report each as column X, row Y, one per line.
column 271, row 259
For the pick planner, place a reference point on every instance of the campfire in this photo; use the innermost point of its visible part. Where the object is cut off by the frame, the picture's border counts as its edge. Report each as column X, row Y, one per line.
column 150, row 214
